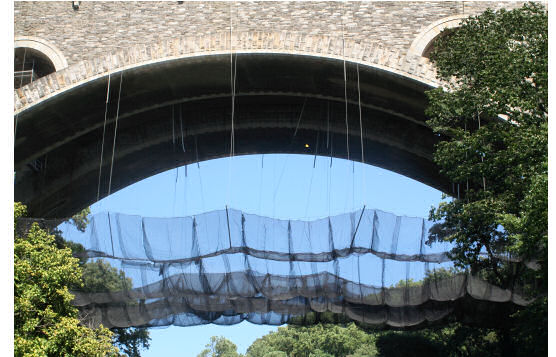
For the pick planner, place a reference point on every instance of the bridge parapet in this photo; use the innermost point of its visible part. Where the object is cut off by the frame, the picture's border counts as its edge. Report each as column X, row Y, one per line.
column 367, row 53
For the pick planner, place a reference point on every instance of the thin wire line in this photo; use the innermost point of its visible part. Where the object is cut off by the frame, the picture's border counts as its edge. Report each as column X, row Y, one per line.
column 200, row 177
column 103, row 135
column 175, row 191
column 289, row 149
column 299, row 119
column 232, row 94
column 345, row 79
column 312, row 175
column 180, row 114
column 173, row 127
column 361, row 137
column 115, row 133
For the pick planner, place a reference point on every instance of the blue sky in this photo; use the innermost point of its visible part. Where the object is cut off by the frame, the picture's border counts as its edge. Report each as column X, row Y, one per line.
column 280, row 186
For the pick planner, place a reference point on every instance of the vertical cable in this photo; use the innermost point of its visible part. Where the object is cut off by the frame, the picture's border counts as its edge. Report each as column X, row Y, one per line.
column 232, row 95
column 180, row 115
column 115, row 133
column 361, row 135
column 173, row 127
column 103, row 135
column 345, row 80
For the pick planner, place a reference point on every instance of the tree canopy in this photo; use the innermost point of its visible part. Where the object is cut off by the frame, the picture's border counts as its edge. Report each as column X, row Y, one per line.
column 45, row 322
column 493, row 114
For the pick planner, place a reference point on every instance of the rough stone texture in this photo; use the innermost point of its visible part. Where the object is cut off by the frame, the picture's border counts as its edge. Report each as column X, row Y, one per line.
column 101, row 37
column 368, row 53
column 99, row 28
column 148, row 40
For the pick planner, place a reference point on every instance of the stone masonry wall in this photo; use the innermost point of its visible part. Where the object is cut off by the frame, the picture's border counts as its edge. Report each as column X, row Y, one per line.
column 100, row 28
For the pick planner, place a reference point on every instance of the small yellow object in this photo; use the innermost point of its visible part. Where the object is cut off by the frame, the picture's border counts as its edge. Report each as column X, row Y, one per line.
column 306, row 145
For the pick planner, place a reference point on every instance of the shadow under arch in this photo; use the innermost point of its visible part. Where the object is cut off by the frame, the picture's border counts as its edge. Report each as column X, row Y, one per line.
column 58, row 143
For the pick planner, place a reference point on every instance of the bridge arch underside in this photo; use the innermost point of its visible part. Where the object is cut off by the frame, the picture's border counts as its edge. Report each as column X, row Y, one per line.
column 282, row 103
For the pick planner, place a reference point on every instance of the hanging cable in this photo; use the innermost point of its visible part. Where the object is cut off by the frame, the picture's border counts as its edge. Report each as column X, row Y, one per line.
column 361, row 136
column 173, row 127
column 290, row 147
column 328, row 138
column 200, row 178
column 312, row 175
column 232, row 95
column 345, row 81
column 115, row 133
column 360, row 116
column 316, row 150
column 180, row 115
column 299, row 119
column 103, row 135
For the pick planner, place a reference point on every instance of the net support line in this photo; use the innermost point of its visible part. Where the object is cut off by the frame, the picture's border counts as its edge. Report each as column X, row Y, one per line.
column 103, row 136
column 115, row 133
column 356, row 229
column 228, row 224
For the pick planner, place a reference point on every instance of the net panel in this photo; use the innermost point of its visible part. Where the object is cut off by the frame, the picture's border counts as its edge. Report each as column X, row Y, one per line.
column 227, row 266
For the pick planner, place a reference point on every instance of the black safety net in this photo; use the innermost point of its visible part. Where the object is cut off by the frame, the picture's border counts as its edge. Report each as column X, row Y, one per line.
column 226, row 266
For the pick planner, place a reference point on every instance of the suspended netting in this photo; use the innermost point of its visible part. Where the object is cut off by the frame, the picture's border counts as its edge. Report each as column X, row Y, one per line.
column 226, row 266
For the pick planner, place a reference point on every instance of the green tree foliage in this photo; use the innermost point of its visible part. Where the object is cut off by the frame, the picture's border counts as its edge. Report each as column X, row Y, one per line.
column 324, row 340
column 219, row 347
column 396, row 344
column 131, row 340
column 45, row 322
column 320, row 340
column 494, row 115
column 100, row 276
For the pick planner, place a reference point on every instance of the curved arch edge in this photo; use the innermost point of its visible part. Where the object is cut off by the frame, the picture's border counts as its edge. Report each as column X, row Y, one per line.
column 46, row 48
column 430, row 32
column 367, row 54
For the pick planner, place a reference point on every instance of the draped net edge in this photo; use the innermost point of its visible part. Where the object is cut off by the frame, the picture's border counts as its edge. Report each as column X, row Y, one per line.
column 226, row 266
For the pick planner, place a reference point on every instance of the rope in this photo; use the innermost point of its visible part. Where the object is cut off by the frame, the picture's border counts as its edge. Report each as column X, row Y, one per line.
column 228, row 222
column 181, row 128
column 200, row 178
column 312, row 174
column 232, row 94
column 361, row 136
column 289, row 148
column 173, row 128
column 175, row 189
column 299, row 119
column 115, row 133
column 360, row 116
column 103, row 135
column 345, row 82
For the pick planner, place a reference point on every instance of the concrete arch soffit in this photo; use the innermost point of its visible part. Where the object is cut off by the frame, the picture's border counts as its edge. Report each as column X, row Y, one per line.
column 428, row 34
column 370, row 54
column 46, row 48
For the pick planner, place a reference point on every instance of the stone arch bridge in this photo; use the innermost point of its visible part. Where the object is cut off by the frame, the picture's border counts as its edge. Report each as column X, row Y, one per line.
column 162, row 74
